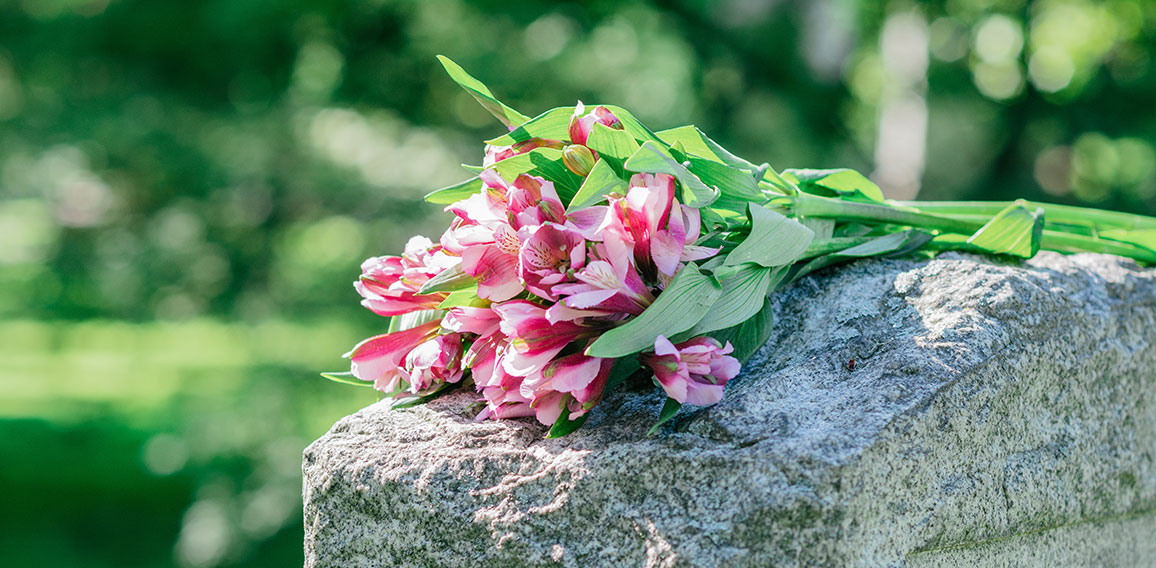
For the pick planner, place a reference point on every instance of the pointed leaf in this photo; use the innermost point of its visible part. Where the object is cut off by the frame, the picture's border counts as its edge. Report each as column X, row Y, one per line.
column 697, row 143
column 563, row 425
column 1015, row 231
column 632, row 125
column 774, row 240
column 749, row 336
column 482, row 94
column 449, row 280
column 669, row 409
column 599, row 182
column 847, row 184
column 731, row 182
column 652, row 157
column 455, row 192
column 685, row 301
column 553, row 124
column 742, row 297
column 347, row 378
column 611, row 144
column 466, row 298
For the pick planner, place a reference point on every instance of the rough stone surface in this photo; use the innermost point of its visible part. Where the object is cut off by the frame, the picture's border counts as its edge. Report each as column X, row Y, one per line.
column 999, row 413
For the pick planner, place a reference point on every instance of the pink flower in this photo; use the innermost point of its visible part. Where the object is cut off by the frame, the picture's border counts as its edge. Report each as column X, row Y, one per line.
column 550, row 256
column 389, row 285
column 609, row 284
column 574, row 380
column 534, row 340
column 413, row 360
column 583, row 122
column 486, row 232
column 658, row 227
column 695, row 371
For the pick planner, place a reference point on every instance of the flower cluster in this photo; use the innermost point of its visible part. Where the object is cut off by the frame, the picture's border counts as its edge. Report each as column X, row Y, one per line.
column 543, row 283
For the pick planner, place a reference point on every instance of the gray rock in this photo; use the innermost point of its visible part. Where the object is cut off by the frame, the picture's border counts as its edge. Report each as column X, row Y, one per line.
column 999, row 413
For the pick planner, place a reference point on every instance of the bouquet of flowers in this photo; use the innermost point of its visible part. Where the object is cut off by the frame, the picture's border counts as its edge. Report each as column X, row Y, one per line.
column 588, row 248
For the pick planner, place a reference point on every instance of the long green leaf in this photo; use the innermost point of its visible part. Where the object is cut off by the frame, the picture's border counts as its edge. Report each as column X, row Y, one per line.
column 652, row 157
column 731, row 182
column 1015, row 231
column 455, row 192
column 847, row 184
column 669, row 409
column 612, row 143
column 632, row 125
column 742, row 297
column 774, row 240
column 482, row 94
column 553, row 124
column 697, row 143
column 685, row 301
column 749, row 336
column 347, row 378
column 599, row 182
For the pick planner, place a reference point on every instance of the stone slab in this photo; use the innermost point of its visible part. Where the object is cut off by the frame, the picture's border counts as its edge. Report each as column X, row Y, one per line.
column 999, row 413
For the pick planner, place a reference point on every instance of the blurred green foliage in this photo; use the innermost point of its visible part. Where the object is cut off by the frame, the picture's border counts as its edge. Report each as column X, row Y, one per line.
column 187, row 189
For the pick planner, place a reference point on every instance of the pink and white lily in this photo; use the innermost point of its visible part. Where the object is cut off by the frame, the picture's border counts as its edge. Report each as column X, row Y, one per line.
column 410, row 361
column 389, row 285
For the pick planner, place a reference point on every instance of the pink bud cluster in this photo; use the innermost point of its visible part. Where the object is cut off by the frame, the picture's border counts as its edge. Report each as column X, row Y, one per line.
column 549, row 282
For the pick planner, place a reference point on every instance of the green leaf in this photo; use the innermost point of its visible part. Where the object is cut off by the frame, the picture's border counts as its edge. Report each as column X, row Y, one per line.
column 411, row 401
column 847, row 184
column 742, row 297
column 599, row 182
column 669, row 409
column 622, row 369
column 774, row 240
column 697, row 143
column 553, row 124
column 632, row 125
column 1015, row 231
column 894, row 244
column 466, row 298
column 482, row 94
column 543, row 162
column 611, row 143
column 347, row 378
column 652, row 157
column 731, row 182
column 410, row 320
column 563, row 425
column 455, row 192
column 449, row 280
column 685, row 301
column 749, row 336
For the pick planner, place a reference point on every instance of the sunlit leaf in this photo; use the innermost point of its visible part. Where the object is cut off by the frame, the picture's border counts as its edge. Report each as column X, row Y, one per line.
column 599, row 182
column 347, row 378
column 553, row 124
column 731, row 182
column 697, row 143
column 455, row 192
column 847, row 184
column 612, row 144
column 774, row 240
column 464, row 298
column 449, row 280
column 632, row 125
column 482, row 94
column 1015, row 231
column 685, row 301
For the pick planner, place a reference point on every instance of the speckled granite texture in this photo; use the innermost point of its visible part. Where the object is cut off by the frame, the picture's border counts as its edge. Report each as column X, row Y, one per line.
column 999, row 414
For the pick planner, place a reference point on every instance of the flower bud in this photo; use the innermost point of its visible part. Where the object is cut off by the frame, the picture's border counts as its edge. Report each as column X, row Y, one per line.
column 578, row 159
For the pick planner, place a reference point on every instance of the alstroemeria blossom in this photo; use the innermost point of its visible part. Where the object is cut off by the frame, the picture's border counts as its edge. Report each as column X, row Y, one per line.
column 549, row 257
column 694, row 371
column 410, row 361
column 495, row 154
column 574, row 380
column 583, row 122
column 389, row 285
column 658, row 227
column 486, row 232
column 534, row 340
